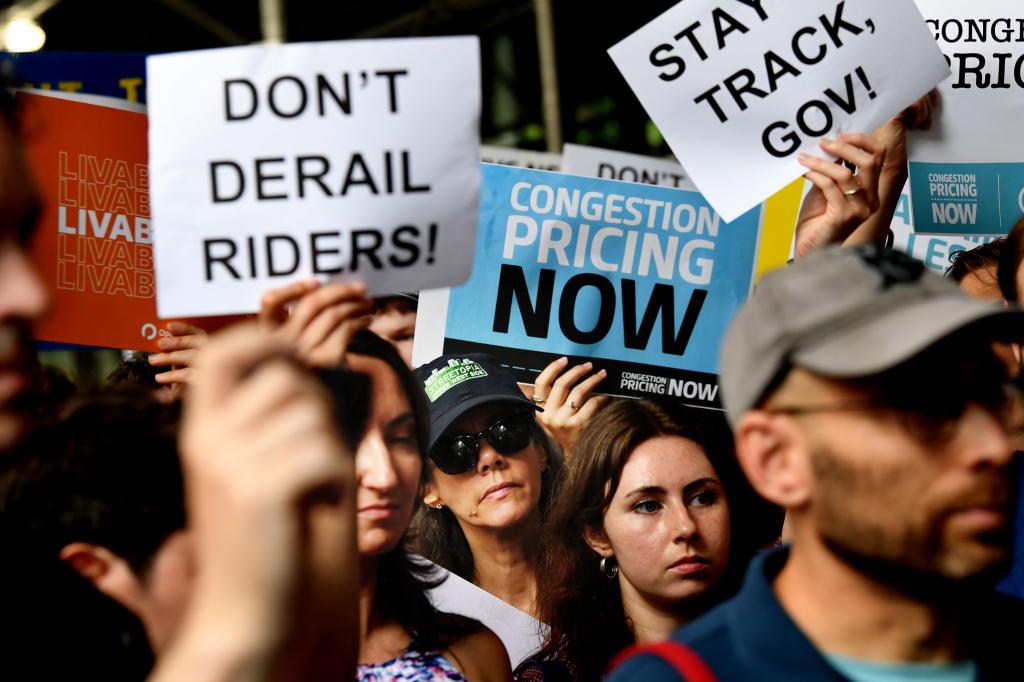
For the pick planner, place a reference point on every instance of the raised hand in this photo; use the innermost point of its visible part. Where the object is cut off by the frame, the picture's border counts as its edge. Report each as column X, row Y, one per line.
column 840, row 202
column 317, row 321
column 566, row 394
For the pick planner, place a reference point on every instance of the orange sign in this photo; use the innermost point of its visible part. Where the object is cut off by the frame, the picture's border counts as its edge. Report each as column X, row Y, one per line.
column 93, row 242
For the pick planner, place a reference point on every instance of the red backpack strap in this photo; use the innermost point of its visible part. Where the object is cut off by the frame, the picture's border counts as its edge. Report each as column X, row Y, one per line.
column 683, row 659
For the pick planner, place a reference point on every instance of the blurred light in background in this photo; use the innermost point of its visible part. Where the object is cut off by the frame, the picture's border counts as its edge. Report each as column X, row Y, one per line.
column 22, row 35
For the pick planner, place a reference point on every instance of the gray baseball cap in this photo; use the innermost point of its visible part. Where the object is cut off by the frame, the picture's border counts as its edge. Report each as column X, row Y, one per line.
column 845, row 313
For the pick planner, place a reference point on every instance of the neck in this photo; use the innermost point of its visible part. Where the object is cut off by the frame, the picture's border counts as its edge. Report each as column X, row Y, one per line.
column 504, row 562
column 847, row 612
column 650, row 621
column 368, row 567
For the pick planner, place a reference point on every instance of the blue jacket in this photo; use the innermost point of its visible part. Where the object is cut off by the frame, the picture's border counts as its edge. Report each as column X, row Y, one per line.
column 751, row 637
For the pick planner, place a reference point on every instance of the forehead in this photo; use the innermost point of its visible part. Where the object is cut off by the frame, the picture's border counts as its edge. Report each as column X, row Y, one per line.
column 670, row 462
column 389, row 397
column 982, row 284
column 480, row 417
column 393, row 318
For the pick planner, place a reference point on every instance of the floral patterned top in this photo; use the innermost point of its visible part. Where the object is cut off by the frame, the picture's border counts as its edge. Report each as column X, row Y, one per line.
column 412, row 666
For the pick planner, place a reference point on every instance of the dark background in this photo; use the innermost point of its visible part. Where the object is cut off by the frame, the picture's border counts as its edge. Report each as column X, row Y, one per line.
column 596, row 105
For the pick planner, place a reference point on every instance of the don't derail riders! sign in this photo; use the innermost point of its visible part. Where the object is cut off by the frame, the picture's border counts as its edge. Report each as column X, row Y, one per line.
column 346, row 160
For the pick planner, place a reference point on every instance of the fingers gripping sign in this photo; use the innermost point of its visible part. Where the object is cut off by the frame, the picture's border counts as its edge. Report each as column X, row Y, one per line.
column 566, row 394
column 840, row 200
column 318, row 321
column 179, row 353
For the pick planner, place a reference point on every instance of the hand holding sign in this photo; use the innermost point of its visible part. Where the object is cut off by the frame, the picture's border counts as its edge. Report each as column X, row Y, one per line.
column 179, row 353
column 840, row 201
column 740, row 87
column 893, row 175
column 322, row 320
column 566, row 396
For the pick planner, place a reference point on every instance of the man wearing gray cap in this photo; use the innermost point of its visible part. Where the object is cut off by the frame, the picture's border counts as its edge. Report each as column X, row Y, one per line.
column 866, row 399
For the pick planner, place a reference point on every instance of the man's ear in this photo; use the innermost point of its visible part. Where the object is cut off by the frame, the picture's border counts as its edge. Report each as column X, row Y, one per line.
column 109, row 573
column 430, row 496
column 598, row 541
column 775, row 456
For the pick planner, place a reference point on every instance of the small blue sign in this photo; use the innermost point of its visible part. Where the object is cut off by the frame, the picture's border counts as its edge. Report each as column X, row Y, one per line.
column 976, row 199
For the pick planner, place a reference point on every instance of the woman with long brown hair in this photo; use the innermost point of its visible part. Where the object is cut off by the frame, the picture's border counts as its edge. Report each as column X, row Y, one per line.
column 651, row 529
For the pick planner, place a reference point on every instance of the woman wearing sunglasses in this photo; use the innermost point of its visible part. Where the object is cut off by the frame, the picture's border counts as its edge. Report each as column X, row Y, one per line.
column 654, row 524
column 492, row 476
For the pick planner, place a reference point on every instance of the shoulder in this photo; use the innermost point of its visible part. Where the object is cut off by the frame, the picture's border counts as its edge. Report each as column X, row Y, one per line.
column 543, row 670
column 662, row 661
column 705, row 641
column 481, row 656
column 995, row 628
column 644, row 667
column 707, row 631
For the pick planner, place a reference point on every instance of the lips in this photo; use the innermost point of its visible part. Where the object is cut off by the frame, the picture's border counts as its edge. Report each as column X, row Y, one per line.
column 13, row 381
column 499, row 490
column 690, row 565
column 379, row 511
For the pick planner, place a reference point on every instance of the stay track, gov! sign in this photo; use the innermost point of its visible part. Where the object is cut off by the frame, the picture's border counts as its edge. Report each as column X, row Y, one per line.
column 740, row 87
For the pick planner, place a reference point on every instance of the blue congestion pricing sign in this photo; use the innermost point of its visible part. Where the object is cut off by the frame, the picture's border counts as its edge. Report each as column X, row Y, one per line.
column 643, row 280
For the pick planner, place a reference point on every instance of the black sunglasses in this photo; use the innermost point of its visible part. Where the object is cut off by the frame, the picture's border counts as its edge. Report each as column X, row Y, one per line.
column 460, row 453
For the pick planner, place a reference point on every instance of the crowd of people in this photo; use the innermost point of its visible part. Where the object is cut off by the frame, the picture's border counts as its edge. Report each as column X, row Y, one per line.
column 277, row 500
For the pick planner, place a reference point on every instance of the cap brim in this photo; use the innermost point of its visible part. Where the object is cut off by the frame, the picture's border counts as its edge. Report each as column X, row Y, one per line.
column 441, row 424
column 884, row 341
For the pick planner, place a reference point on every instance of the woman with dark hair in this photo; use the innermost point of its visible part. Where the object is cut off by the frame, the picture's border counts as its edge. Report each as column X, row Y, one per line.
column 650, row 530
column 402, row 636
column 492, row 478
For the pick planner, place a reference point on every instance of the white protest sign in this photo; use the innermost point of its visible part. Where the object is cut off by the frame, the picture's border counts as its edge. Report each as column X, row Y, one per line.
column 739, row 87
column 521, row 634
column 593, row 162
column 967, row 172
column 343, row 160
column 523, row 158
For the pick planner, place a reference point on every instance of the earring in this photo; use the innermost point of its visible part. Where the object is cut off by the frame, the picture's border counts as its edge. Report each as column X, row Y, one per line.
column 609, row 567
column 438, row 506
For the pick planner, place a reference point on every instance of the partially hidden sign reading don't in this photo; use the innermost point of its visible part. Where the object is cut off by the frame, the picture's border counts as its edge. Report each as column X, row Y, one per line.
column 345, row 160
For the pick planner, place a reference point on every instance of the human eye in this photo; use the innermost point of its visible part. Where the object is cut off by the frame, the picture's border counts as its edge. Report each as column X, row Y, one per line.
column 404, row 437
column 705, row 498
column 646, row 507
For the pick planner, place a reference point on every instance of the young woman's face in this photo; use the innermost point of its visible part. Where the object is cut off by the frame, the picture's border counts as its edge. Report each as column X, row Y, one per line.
column 388, row 461
column 668, row 522
column 501, row 491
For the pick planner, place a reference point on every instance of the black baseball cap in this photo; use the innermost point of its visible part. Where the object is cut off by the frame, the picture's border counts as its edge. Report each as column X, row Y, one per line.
column 455, row 384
